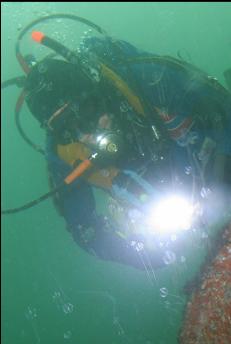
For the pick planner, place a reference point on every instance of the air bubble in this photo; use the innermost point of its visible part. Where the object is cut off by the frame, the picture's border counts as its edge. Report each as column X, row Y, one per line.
column 31, row 313
column 169, row 257
column 205, row 192
column 163, row 292
column 188, row 170
column 67, row 335
column 56, row 295
column 182, row 259
column 68, row 308
column 139, row 246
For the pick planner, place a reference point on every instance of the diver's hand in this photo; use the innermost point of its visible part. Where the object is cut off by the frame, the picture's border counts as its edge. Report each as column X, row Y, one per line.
column 104, row 122
column 88, row 139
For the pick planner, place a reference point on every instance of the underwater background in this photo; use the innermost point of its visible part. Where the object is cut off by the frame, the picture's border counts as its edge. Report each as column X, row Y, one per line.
column 52, row 291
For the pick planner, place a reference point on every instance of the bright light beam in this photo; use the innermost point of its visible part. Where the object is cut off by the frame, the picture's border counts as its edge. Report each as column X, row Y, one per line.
column 171, row 215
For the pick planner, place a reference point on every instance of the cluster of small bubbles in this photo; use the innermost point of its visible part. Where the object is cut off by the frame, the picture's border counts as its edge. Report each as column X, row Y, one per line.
column 67, row 335
column 57, row 299
column 31, row 313
column 188, row 170
column 163, row 292
column 138, row 246
column 68, row 308
column 169, row 257
column 119, row 328
column 115, row 320
column 56, row 295
column 87, row 34
column 205, row 192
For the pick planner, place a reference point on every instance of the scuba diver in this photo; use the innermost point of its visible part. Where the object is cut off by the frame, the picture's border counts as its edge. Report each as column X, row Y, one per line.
column 139, row 126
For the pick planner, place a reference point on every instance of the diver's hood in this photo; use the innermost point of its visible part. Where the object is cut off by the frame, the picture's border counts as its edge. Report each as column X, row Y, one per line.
column 51, row 83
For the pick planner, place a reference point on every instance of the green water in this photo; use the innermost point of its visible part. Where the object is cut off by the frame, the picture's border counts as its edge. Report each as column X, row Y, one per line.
column 52, row 291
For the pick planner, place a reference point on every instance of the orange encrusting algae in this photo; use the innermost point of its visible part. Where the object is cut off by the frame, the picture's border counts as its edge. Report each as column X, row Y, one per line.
column 208, row 314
